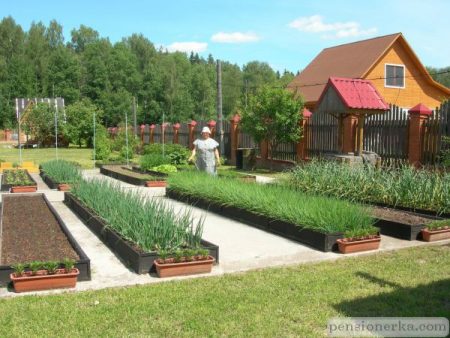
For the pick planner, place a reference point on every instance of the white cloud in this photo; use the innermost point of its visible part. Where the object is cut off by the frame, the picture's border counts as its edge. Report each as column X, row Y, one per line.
column 187, row 47
column 315, row 24
column 235, row 37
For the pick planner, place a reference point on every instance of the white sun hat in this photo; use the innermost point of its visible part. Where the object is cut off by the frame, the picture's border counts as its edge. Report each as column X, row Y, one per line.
column 206, row 130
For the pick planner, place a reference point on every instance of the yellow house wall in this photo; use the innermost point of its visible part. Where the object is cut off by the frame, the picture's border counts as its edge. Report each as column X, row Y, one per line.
column 417, row 88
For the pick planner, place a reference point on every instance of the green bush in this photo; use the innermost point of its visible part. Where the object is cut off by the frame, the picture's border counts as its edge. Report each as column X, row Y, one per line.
column 102, row 144
column 153, row 160
column 177, row 153
column 165, row 168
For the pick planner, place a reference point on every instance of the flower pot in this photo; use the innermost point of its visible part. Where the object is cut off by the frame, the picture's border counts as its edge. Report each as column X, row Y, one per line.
column 23, row 188
column 347, row 245
column 156, row 184
column 63, row 187
column 44, row 281
column 435, row 235
column 184, row 268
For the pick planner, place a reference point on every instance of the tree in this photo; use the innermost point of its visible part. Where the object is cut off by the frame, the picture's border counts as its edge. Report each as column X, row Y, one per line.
column 79, row 125
column 273, row 115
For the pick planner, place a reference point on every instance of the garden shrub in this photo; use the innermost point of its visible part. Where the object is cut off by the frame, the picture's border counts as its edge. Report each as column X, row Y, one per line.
column 102, row 144
column 177, row 153
column 150, row 161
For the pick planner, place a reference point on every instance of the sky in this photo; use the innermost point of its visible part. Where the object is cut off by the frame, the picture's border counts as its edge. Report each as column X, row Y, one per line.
column 287, row 34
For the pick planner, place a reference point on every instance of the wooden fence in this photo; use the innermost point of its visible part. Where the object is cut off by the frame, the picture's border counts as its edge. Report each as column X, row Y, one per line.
column 385, row 134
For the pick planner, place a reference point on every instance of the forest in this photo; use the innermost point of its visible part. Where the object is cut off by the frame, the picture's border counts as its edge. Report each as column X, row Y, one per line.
column 89, row 68
column 41, row 63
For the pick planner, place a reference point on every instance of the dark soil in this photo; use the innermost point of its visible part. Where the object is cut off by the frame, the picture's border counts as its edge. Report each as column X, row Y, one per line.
column 398, row 216
column 129, row 172
column 30, row 232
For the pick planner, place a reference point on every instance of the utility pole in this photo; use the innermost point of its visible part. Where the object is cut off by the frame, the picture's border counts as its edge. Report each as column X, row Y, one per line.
column 219, row 108
column 134, row 116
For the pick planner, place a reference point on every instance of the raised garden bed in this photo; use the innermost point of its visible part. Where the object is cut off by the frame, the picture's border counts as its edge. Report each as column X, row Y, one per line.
column 149, row 172
column 132, row 176
column 313, row 238
column 399, row 223
column 18, row 180
column 139, row 261
column 32, row 230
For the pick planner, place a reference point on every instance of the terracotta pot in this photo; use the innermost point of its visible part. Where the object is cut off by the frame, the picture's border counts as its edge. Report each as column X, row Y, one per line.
column 23, row 188
column 156, row 184
column 63, row 187
column 346, row 246
column 43, row 281
column 184, row 268
column 435, row 235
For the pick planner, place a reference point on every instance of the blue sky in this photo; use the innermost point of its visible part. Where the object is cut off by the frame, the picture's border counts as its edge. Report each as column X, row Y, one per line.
column 286, row 33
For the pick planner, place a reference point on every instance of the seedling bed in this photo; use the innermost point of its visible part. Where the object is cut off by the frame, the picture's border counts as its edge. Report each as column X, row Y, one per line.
column 139, row 261
column 149, row 172
column 127, row 175
column 7, row 187
column 315, row 239
column 401, row 224
column 32, row 230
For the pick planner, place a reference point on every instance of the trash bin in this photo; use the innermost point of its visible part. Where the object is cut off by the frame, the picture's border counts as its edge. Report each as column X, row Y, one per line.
column 245, row 158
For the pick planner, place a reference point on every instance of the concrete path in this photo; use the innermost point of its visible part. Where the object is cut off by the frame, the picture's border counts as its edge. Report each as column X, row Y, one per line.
column 241, row 247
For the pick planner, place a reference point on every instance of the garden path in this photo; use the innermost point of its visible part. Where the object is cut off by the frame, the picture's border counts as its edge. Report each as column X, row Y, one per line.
column 241, row 247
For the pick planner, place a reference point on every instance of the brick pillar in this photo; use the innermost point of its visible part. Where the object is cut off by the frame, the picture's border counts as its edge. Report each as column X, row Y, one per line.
column 142, row 131
column 7, row 134
column 212, row 127
column 349, row 134
column 302, row 143
column 151, row 139
column 176, row 129
column 234, row 137
column 191, row 126
column 163, row 132
column 417, row 115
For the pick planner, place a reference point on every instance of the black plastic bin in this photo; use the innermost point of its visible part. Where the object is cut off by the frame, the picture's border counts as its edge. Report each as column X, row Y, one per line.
column 245, row 158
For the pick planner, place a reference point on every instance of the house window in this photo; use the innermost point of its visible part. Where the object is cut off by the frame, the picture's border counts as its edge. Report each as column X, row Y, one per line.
column 395, row 76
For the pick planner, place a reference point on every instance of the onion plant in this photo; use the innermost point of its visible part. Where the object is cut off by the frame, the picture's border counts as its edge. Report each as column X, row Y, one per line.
column 151, row 224
column 62, row 171
column 326, row 215
column 405, row 186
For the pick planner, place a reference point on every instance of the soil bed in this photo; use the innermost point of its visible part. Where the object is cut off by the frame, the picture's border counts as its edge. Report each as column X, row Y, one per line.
column 32, row 232
column 399, row 216
column 399, row 223
column 128, row 175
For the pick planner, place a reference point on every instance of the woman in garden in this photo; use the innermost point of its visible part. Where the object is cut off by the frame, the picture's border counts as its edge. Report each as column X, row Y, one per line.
column 206, row 153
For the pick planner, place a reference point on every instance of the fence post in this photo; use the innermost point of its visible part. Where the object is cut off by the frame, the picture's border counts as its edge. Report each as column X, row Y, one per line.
column 303, row 142
column 212, row 126
column 176, row 129
column 349, row 133
column 234, row 137
column 191, row 126
column 7, row 134
column 152, row 134
column 142, row 131
column 417, row 115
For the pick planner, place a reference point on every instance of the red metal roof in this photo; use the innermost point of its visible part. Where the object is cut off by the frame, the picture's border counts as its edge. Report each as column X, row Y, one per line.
column 356, row 93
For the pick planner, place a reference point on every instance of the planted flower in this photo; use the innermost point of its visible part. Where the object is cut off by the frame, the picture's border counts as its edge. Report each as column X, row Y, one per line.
column 36, row 276
column 436, row 231
column 183, row 262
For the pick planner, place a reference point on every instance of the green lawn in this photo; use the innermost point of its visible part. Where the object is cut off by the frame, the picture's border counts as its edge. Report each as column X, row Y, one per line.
column 80, row 155
column 294, row 301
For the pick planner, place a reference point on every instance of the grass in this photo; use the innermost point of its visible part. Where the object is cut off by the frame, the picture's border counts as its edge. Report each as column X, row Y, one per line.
column 149, row 223
column 406, row 187
column 323, row 214
column 62, row 171
column 278, row 302
column 83, row 156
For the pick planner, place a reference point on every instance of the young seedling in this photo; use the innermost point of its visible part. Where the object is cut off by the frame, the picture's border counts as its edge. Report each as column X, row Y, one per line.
column 19, row 269
column 51, row 267
column 68, row 264
column 35, row 267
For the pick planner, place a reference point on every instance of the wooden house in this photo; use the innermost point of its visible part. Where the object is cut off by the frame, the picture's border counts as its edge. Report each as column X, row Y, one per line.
column 388, row 62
